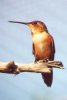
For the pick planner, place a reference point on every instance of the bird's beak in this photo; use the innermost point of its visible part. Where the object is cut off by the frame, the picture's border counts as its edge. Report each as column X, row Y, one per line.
column 29, row 24
column 18, row 22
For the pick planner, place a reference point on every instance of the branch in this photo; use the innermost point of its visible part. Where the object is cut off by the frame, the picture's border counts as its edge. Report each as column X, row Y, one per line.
column 38, row 67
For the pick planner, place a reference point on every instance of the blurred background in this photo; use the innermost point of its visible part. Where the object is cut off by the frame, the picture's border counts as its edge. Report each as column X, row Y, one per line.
column 16, row 44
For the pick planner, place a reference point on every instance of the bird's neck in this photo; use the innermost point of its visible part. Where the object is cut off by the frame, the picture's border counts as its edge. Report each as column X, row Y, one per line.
column 39, row 36
column 39, row 33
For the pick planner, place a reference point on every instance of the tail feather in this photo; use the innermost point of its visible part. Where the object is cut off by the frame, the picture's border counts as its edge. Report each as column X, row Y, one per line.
column 48, row 78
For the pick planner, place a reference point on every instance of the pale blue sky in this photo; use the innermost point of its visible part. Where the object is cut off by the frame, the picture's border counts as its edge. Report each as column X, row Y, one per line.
column 16, row 44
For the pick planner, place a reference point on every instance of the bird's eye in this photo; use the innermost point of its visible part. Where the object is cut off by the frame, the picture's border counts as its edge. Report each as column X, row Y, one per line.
column 35, row 22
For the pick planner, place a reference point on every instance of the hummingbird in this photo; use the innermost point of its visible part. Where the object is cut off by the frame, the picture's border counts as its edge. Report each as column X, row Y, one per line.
column 43, row 46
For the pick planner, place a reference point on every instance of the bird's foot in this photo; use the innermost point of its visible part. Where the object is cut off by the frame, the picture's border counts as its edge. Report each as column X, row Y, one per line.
column 46, row 60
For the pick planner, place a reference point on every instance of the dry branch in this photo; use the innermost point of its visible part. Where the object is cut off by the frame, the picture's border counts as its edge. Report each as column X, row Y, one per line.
column 38, row 67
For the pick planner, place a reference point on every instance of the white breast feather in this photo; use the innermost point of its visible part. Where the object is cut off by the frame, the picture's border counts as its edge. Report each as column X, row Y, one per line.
column 39, row 37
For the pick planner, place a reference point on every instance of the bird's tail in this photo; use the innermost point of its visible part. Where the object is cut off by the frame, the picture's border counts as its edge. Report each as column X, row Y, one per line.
column 48, row 77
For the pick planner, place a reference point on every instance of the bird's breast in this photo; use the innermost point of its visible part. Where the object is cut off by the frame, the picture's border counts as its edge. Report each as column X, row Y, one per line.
column 39, row 37
column 42, row 46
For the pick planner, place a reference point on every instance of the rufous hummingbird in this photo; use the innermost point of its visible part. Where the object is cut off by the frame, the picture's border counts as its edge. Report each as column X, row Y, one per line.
column 43, row 45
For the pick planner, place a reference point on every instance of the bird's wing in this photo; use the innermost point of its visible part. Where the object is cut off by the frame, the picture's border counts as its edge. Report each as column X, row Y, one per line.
column 53, row 49
column 48, row 77
column 53, row 46
column 33, row 50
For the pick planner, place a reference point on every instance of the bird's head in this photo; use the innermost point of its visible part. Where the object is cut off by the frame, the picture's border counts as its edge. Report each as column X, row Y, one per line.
column 35, row 26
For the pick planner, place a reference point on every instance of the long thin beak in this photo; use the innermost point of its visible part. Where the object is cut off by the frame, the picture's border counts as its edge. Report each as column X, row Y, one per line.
column 18, row 22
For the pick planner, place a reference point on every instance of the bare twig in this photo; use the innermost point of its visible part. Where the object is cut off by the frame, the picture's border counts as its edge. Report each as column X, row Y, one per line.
column 38, row 67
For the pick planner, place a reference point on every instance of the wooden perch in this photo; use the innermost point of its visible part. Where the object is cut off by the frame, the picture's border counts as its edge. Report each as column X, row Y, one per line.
column 38, row 67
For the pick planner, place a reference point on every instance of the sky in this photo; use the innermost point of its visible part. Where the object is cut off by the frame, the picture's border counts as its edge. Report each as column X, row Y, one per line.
column 16, row 44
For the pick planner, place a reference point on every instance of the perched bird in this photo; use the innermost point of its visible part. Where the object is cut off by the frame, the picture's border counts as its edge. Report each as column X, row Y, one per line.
column 43, row 45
